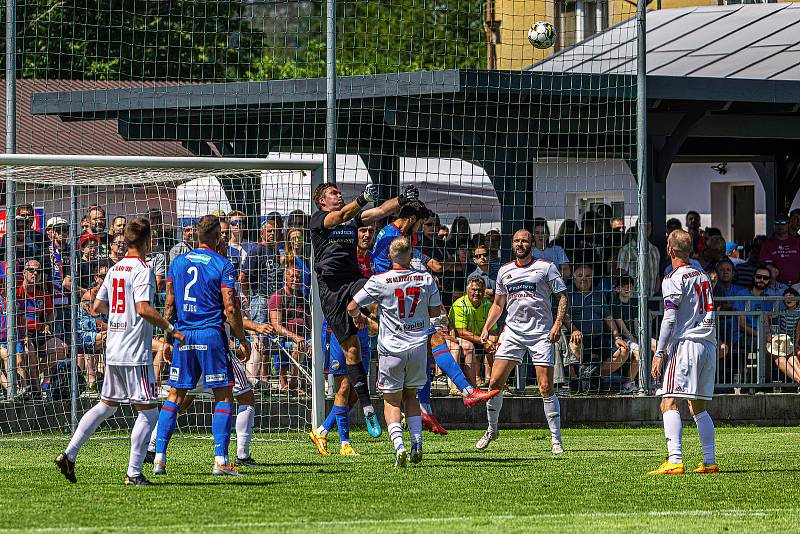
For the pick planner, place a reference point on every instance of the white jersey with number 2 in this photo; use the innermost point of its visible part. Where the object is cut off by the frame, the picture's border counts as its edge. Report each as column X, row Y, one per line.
column 403, row 298
column 130, row 338
column 687, row 290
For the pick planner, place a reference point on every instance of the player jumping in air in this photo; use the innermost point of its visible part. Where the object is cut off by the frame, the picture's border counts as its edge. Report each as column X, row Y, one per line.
column 524, row 288
column 336, row 363
column 408, row 222
column 406, row 300
column 126, row 296
column 688, row 343
column 201, row 284
column 334, row 230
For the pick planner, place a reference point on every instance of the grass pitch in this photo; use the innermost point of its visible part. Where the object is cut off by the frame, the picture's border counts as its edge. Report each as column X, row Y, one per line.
column 599, row 485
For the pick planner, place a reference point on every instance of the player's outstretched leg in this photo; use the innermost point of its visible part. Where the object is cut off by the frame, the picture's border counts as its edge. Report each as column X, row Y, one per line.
column 92, row 419
column 552, row 408
column 705, row 430
column 429, row 421
column 673, row 432
column 140, row 435
column 444, row 359
column 500, row 371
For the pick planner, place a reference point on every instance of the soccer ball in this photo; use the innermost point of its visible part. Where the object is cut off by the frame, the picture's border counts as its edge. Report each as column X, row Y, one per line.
column 542, row 34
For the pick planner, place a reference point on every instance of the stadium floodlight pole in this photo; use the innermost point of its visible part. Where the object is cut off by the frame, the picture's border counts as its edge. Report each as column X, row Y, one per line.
column 11, row 194
column 317, row 357
column 642, row 242
column 74, row 298
column 330, row 77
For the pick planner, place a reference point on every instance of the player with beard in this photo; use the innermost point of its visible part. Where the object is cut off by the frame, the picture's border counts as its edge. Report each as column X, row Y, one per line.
column 334, row 234
column 407, row 224
column 525, row 287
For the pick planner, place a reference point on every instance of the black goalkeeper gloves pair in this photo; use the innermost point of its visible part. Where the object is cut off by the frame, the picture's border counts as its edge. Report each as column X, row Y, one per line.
column 370, row 194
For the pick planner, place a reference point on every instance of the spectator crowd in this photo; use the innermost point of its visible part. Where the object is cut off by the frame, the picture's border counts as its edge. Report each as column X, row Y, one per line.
column 597, row 257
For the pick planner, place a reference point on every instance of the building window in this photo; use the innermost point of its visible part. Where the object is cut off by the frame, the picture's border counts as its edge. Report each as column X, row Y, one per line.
column 579, row 19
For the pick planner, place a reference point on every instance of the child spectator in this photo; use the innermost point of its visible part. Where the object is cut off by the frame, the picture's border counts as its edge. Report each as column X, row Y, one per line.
column 625, row 311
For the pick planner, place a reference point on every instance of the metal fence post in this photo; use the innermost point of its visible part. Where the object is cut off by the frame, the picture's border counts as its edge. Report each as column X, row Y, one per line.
column 74, row 299
column 330, row 116
column 317, row 358
column 11, row 195
column 641, row 172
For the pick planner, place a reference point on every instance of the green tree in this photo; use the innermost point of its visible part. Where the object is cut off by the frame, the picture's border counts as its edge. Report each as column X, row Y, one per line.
column 180, row 40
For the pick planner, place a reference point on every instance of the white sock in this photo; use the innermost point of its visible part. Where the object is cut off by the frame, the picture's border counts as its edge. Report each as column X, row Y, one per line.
column 322, row 431
column 415, row 429
column 396, row 435
column 86, row 427
column 493, row 407
column 705, row 429
column 244, row 429
column 552, row 410
column 140, row 436
column 467, row 390
column 368, row 410
column 673, row 430
column 151, row 447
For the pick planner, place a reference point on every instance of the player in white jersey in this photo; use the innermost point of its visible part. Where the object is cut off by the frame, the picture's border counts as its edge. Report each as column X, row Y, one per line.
column 688, row 343
column 525, row 289
column 406, row 299
column 126, row 296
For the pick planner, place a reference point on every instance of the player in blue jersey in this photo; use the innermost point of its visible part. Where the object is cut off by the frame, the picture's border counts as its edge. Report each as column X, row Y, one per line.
column 201, row 289
column 408, row 222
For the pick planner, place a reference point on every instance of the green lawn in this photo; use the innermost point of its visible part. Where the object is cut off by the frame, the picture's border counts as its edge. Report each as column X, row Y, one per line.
column 515, row 486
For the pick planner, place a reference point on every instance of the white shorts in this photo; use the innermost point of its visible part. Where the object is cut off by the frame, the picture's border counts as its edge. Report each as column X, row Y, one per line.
column 402, row 370
column 690, row 371
column 509, row 347
column 241, row 384
column 130, row 383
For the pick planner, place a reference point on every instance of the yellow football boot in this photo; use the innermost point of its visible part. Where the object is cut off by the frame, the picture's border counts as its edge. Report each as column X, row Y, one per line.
column 347, row 450
column 321, row 442
column 668, row 468
column 703, row 468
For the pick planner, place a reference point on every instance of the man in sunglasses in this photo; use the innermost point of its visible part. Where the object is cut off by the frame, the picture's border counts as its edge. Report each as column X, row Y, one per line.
column 749, row 323
column 481, row 258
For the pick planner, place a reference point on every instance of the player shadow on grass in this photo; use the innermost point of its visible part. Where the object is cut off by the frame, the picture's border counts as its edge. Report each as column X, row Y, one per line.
column 488, row 460
column 217, row 481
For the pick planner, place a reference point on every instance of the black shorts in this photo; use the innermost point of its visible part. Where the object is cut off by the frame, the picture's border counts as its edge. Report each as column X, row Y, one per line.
column 334, row 299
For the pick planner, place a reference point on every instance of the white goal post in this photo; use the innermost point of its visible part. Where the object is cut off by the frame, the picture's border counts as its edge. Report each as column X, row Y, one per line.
column 77, row 173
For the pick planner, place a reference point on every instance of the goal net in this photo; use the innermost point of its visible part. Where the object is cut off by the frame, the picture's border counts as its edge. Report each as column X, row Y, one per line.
column 68, row 231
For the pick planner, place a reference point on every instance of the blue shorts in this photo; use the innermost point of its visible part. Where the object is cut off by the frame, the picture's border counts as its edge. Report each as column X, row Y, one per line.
column 204, row 355
column 335, row 362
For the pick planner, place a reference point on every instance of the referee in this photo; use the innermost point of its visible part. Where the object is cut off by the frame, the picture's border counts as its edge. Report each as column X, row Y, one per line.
column 334, row 233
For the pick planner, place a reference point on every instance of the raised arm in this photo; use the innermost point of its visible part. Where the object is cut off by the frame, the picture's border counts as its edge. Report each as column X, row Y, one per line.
column 391, row 206
column 352, row 208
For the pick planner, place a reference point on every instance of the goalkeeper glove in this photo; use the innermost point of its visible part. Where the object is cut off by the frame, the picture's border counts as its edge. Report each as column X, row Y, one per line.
column 370, row 194
column 409, row 194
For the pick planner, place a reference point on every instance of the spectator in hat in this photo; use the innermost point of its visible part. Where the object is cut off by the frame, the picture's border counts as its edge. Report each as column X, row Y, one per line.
column 783, row 250
column 733, row 253
column 784, row 347
column 187, row 243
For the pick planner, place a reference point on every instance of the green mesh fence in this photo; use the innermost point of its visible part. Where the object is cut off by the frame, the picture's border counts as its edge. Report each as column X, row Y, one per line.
column 449, row 95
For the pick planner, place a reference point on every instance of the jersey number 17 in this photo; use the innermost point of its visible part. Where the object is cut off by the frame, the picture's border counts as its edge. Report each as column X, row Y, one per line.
column 413, row 293
column 703, row 290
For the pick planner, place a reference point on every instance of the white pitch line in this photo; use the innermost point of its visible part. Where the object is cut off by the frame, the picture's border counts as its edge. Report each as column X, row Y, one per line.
column 763, row 512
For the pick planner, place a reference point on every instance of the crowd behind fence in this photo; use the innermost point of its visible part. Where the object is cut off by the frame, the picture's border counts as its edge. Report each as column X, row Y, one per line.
column 757, row 308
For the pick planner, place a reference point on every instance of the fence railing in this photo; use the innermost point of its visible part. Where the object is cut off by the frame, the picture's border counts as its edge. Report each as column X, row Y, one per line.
column 747, row 356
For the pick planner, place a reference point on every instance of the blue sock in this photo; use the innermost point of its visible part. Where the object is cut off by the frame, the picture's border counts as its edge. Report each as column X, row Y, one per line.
column 342, row 414
column 444, row 359
column 221, row 429
column 329, row 421
column 167, row 420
